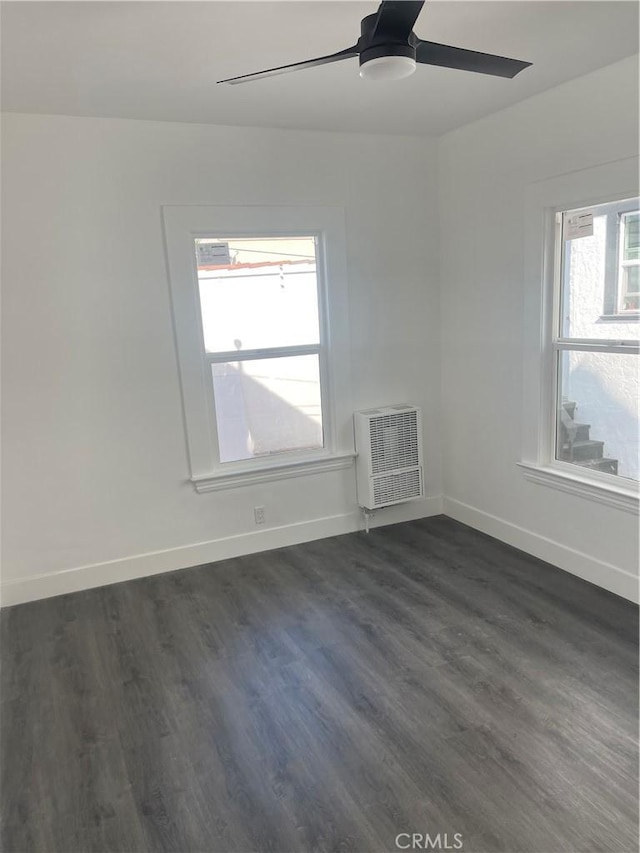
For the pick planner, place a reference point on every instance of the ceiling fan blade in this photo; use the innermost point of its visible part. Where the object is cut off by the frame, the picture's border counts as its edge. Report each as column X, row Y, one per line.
column 396, row 18
column 430, row 53
column 295, row 66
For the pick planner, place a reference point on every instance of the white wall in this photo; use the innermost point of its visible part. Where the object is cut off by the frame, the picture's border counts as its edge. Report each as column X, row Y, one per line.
column 484, row 169
column 95, row 466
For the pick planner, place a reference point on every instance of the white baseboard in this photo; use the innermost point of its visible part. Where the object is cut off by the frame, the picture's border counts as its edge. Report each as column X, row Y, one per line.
column 598, row 572
column 156, row 562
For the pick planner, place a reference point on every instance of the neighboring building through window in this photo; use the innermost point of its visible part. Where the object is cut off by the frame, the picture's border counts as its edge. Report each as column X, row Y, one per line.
column 596, row 352
column 261, row 329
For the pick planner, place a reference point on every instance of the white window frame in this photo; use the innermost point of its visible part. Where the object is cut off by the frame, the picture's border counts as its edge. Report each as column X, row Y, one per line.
column 183, row 224
column 543, row 201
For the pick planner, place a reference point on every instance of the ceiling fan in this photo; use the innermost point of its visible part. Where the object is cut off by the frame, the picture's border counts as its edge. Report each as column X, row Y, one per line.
column 388, row 49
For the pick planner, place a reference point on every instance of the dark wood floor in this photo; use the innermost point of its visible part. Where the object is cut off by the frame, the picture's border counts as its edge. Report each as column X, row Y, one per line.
column 330, row 696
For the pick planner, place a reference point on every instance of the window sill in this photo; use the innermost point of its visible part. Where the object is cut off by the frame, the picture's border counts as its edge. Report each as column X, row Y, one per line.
column 268, row 473
column 626, row 499
column 628, row 317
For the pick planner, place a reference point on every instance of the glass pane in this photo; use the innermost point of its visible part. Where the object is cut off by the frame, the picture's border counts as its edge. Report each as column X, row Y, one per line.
column 593, row 278
column 257, row 293
column 598, row 412
column 631, row 237
column 267, row 406
column 631, row 302
column 631, row 279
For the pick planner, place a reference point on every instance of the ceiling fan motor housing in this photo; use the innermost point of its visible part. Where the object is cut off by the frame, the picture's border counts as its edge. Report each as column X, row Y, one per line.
column 387, row 50
column 384, row 44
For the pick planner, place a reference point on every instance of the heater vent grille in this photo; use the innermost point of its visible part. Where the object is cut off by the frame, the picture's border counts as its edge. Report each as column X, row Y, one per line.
column 393, row 488
column 394, row 441
column 389, row 455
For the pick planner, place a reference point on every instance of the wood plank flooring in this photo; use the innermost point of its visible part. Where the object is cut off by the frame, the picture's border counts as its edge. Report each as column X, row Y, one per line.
column 330, row 696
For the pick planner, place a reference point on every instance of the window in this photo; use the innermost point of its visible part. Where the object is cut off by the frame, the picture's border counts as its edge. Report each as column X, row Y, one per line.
column 618, row 223
column 596, row 375
column 261, row 326
column 581, row 335
column 629, row 264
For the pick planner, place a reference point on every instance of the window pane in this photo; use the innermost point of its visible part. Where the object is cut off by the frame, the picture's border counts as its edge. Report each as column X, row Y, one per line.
column 631, row 237
column 257, row 293
column 267, row 406
column 632, row 279
column 598, row 412
column 631, row 302
column 594, row 277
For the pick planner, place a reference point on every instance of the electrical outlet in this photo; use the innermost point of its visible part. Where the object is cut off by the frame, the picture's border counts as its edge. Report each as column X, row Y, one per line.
column 258, row 514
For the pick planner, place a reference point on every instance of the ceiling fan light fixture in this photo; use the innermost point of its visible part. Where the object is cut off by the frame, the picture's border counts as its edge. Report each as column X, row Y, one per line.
column 388, row 68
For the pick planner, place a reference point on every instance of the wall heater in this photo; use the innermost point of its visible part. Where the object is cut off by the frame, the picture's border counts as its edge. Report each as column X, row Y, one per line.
column 389, row 456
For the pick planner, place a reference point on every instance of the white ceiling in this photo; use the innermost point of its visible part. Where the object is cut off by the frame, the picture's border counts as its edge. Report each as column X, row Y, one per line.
column 160, row 60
